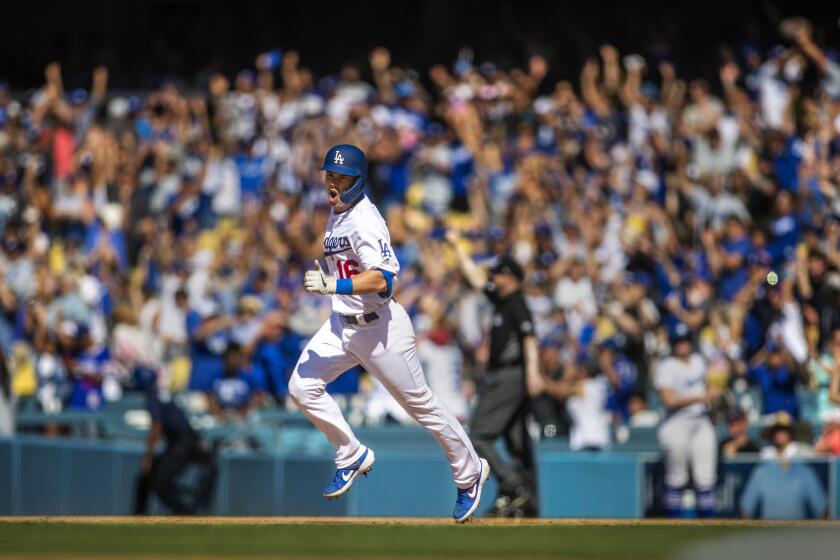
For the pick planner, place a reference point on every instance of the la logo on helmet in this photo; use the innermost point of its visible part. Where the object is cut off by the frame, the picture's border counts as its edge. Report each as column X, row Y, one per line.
column 339, row 159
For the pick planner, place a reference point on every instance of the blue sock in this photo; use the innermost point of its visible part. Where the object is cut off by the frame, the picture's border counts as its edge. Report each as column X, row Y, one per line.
column 673, row 501
column 706, row 502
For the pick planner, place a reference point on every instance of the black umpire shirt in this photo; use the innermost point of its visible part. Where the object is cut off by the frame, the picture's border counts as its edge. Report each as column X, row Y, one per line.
column 511, row 323
column 173, row 421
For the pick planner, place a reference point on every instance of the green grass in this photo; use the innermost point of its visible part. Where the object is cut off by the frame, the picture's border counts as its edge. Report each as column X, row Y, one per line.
column 92, row 540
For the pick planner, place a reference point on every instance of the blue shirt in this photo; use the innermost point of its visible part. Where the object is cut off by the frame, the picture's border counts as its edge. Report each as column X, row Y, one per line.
column 273, row 362
column 205, row 355
column 462, row 169
column 778, row 389
column 617, row 396
column 398, row 178
column 87, row 389
column 251, row 173
column 773, row 492
column 732, row 280
column 786, row 165
column 347, row 383
column 233, row 393
column 785, row 232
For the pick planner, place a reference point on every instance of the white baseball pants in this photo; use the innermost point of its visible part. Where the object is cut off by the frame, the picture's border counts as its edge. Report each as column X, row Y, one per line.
column 386, row 349
column 689, row 443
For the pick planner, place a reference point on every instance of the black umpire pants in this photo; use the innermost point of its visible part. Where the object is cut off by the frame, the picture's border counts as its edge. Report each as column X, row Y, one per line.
column 501, row 411
column 167, row 467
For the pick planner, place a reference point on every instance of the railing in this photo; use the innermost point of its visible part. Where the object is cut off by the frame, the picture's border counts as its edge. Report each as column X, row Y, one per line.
column 69, row 476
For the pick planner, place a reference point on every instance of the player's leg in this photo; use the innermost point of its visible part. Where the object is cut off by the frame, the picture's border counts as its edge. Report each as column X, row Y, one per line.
column 386, row 348
column 704, row 451
column 322, row 360
column 673, row 438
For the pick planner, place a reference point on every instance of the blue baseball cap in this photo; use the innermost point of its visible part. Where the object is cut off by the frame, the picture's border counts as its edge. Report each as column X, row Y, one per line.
column 134, row 104
column 542, row 229
column 78, row 95
column 649, row 89
column 679, row 333
column 246, row 75
column 496, row 233
column 404, row 88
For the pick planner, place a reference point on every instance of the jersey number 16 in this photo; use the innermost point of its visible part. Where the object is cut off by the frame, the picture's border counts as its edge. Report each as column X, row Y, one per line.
column 346, row 268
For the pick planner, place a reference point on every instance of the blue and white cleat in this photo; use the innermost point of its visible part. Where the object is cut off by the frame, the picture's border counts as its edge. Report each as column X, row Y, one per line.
column 469, row 498
column 344, row 477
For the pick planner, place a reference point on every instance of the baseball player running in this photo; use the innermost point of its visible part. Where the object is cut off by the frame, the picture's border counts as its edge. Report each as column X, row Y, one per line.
column 368, row 327
column 686, row 435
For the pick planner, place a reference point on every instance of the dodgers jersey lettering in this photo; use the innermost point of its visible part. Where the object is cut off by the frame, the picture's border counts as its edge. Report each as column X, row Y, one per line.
column 356, row 240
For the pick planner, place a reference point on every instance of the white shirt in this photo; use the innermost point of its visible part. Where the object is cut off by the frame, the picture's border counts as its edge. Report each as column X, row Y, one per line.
column 685, row 380
column 577, row 299
column 221, row 181
column 643, row 124
column 590, row 419
column 443, row 366
column 356, row 240
column 773, row 94
column 791, row 331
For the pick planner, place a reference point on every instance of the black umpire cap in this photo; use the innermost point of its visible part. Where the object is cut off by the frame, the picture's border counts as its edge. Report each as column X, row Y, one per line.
column 506, row 265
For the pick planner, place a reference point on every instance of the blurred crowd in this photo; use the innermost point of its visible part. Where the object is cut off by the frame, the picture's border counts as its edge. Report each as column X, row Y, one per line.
column 171, row 230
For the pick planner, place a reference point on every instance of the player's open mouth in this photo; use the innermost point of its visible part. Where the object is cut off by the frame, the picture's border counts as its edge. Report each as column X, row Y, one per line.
column 333, row 195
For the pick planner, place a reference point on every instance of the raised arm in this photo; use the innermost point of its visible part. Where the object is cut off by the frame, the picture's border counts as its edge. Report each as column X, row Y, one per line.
column 612, row 70
column 834, row 384
column 806, row 44
column 630, row 90
column 475, row 275
column 380, row 62
column 589, row 87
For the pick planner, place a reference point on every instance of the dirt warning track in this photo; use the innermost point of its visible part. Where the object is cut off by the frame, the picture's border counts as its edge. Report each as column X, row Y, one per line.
column 410, row 521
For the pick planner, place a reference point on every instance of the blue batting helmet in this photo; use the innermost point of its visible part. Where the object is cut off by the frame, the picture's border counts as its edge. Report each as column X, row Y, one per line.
column 347, row 159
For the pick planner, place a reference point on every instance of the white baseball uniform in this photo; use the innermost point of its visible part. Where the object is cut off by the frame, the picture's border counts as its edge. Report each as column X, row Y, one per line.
column 356, row 240
column 687, row 435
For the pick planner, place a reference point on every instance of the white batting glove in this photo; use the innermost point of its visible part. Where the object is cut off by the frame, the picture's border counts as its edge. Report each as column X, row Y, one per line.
column 317, row 282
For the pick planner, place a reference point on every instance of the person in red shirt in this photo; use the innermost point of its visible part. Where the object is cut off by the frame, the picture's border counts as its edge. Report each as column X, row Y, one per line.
column 829, row 442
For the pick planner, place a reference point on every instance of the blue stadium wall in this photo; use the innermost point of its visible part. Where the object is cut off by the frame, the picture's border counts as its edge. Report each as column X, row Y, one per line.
column 46, row 476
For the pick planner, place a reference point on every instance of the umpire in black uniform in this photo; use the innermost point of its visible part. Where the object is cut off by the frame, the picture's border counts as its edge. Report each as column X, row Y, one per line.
column 159, row 474
column 512, row 377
